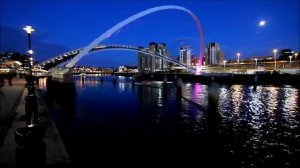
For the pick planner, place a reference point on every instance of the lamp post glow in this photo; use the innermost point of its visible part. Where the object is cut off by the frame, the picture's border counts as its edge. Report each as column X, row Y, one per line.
column 238, row 56
column 262, row 23
column 275, row 50
column 29, row 30
column 224, row 62
column 290, row 60
column 256, row 63
column 32, row 129
column 296, row 54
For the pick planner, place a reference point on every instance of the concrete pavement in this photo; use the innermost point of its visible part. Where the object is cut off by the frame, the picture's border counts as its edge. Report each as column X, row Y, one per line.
column 9, row 99
column 13, row 107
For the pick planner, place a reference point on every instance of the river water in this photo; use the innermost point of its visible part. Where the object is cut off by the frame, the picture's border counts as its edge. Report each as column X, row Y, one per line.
column 148, row 122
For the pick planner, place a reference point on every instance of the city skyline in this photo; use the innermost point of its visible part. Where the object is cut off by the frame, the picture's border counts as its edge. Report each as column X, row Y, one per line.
column 253, row 28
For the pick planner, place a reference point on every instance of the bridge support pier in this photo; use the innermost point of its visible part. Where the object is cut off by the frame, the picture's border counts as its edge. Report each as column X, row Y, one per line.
column 179, row 88
column 255, row 82
column 165, row 79
column 82, row 79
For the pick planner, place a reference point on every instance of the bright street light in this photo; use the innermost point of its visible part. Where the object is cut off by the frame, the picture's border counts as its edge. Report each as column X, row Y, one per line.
column 255, row 62
column 224, row 63
column 296, row 54
column 290, row 60
column 238, row 55
column 29, row 30
column 275, row 50
column 30, row 52
column 262, row 23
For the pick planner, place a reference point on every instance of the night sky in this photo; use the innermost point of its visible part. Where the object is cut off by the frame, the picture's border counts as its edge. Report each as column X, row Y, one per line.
column 63, row 25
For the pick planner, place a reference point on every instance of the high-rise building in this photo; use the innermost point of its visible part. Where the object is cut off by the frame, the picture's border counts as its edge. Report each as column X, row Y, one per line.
column 147, row 63
column 142, row 60
column 213, row 54
column 185, row 55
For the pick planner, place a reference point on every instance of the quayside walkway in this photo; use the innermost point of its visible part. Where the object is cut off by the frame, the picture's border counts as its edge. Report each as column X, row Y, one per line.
column 12, row 117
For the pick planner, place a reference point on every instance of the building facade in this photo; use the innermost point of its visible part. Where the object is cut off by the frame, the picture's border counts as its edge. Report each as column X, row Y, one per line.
column 213, row 54
column 147, row 63
column 185, row 55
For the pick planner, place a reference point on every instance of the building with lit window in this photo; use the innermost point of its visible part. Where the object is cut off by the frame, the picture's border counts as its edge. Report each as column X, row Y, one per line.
column 147, row 63
column 185, row 55
column 213, row 54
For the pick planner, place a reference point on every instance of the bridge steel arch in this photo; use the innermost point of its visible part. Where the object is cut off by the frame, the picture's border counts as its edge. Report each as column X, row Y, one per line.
column 132, row 18
column 69, row 55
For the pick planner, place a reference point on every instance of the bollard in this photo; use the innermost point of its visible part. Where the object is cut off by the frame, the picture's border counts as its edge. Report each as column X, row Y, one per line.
column 31, row 109
column 30, row 149
column 30, row 90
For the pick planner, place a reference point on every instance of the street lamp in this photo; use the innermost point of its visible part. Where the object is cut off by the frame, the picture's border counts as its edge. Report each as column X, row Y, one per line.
column 255, row 62
column 238, row 55
column 275, row 50
column 290, row 60
column 29, row 30
column 30, row 135
column 296, row 54
column 224, row 63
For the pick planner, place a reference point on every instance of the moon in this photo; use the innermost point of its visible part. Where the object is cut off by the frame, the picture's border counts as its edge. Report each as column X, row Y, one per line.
column 262, row 23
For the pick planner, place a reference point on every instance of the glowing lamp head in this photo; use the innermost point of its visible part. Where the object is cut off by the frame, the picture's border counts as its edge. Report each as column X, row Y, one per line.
column 28, row 29
column 275, row 50
column 262, row 23
column 30, row 51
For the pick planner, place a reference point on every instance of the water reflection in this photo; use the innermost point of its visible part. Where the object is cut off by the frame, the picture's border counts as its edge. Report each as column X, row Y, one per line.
column 248, row 128
column 42, row 83
column 64, row 94
column 262, row 124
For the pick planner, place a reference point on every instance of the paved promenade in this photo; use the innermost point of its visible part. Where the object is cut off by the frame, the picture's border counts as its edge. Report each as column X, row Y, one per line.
column 9, row 99
column 12, row 117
